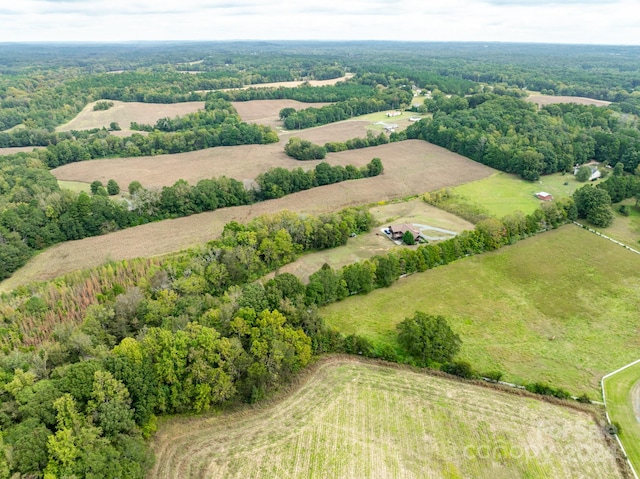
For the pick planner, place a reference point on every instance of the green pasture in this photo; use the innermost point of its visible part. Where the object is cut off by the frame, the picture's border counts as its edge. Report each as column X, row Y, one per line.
column 559, row 308
column 619, row 391
column 625, row 229
column 75, row 186
column 502, row 194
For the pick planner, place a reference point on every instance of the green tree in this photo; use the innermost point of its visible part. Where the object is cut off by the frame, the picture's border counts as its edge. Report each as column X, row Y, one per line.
column 134, row 186
column 618, row 170
column 594, row 204
column 112, row 187
column 95, row 185
column 583, row 173
column 428, row 338
column 109, row 405
column 407, row 238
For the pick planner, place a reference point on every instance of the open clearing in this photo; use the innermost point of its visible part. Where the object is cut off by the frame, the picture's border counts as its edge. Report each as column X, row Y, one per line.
column 625, row 229
column 559, row 308
column 352, row 419
column 412, row 167
column 17, row 149
column 622, row 392
column 291, row 84
column 267, row 112
column 502, row 194
column 124, row 113
column 75, row 186
column 366, row 245
column 542, row 100
column 243, row 162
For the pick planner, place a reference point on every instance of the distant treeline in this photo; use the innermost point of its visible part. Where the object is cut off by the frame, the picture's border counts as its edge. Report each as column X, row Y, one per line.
column 511, row 135
column 304, row 150
column 309, row 117
column 218, row 125
column 278, row 182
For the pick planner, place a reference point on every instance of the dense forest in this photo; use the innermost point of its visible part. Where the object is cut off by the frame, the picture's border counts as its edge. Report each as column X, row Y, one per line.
column 90, row 360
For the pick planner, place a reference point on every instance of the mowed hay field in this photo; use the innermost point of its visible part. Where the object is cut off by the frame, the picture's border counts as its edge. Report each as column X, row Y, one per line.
column 411, row 168
column 124, row 113
column 239, row 162
column 559, row 308
column 542, row 100
column 358, row 420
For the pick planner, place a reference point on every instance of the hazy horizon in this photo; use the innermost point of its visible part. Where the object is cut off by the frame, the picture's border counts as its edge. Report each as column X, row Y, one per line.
column 581, row 22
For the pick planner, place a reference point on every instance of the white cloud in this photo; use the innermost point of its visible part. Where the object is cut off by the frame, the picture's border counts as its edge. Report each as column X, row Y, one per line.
column 573, row 21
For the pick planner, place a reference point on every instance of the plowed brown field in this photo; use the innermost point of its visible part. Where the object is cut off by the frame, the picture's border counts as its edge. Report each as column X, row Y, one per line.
column 542, row 100
column 239, row 162
column 124, row 113
column 411, row 168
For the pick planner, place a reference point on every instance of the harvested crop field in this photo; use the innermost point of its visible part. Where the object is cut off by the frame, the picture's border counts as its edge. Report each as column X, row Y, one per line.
column 267, row 112
column 292, row 84
column 124, row 113
column 411, row 168
column 243, row 162
column 352, row 419
column 542, row 100
column 17, row 149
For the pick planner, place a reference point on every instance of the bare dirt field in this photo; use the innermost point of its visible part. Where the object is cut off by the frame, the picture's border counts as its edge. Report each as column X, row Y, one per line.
column 238, row 162
column 292, row 84
column 267, row 112
column 17, row 149
column 542, row 100
column 124, row 113
column 352, row 419
column 412, row 167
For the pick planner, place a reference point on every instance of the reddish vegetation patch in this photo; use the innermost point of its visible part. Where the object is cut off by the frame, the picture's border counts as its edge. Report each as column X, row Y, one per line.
column 542, row 100
column 411, row 167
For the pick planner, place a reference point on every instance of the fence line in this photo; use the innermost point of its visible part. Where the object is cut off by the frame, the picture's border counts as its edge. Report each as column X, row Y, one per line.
column 604, row 399
column 607, row 237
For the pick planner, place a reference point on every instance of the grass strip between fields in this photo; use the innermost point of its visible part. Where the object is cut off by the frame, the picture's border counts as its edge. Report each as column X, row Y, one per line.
column 618, row 390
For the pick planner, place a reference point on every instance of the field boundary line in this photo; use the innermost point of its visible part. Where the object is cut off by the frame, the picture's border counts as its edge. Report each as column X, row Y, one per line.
column 609, row 238
column 604, row 399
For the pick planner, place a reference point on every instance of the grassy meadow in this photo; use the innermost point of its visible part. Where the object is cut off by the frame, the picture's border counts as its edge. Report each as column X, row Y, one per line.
column 623, row 405
column 75, row 186
column 559, row 308
column 351, row 419
column 625, row 229
column 502, row 193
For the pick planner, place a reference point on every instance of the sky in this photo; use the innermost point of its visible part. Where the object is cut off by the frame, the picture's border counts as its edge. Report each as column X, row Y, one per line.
column 610, row 22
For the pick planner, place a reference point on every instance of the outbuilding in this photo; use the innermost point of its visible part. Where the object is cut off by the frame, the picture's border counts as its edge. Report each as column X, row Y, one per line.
column 544, row 196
